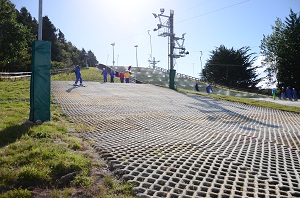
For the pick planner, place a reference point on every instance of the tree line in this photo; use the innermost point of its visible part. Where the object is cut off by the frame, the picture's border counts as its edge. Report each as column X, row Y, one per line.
column 281, row 56
column 226, row 66
column 18, row 29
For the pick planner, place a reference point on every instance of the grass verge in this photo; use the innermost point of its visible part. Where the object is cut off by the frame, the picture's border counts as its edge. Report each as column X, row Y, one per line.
column 47, row 160
column 247, row 101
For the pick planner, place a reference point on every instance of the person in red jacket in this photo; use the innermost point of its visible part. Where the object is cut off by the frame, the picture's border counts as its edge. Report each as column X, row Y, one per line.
column 121, row 77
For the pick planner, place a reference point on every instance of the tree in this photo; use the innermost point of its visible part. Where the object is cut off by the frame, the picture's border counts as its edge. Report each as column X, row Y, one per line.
column 61, row 36
column 92, row 60
column 231, row 67
column 18, row 30
column 25, row 18
column 83, row 57
column 281, row 50
column 14, row 39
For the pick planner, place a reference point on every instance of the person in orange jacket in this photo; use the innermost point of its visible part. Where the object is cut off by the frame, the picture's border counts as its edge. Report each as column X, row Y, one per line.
column 127, row 76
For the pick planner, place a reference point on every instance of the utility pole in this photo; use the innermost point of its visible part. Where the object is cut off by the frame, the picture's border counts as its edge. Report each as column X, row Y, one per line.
column 113, row 44
column 153, row 62
column 170, row 33
column 171, row 56
column 201, row 72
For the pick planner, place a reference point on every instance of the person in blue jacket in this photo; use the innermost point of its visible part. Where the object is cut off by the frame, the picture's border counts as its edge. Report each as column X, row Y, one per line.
column 289, row 93
column 295, row 94
column 209, row 89
column 77, row 75
column 104, row 73
column 112, row 75
column 283, row 95
column 197, row 86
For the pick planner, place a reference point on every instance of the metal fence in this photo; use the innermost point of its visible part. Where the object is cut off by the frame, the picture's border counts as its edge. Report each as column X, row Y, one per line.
column 14, row 75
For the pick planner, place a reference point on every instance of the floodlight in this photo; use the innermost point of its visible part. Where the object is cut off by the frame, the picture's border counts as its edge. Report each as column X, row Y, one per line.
column 155, row 15
column 162, row 10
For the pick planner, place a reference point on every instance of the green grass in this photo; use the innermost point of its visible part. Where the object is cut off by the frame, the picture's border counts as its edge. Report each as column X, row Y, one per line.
column 38, row 156
column 248, row 101
column 123, row 190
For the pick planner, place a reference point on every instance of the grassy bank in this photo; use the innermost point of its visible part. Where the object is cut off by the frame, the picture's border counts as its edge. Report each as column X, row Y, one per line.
column 247, row 101
column 47, row 160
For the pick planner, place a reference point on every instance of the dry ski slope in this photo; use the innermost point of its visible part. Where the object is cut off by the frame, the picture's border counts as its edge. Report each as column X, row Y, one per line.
column 171, row 144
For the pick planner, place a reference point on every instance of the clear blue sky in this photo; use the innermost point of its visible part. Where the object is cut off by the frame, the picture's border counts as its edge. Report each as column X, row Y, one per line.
column 96, row 24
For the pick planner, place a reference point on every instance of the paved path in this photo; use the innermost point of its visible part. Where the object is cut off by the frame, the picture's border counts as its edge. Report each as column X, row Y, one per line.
column 171, row 144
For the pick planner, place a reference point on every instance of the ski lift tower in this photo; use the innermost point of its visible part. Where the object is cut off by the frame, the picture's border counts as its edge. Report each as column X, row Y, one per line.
column 169, row 32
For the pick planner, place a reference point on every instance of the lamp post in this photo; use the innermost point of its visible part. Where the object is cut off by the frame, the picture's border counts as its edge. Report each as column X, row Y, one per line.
column 107, row 59
column 150, row 44
column 113, row 45
column 201, row 72
column 40, row 37
column 136, row 46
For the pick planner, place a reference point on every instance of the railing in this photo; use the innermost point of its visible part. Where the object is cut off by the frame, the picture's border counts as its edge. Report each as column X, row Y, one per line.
column 19, row 75
column 14, row 75
column 59, row 71
column 178, row 74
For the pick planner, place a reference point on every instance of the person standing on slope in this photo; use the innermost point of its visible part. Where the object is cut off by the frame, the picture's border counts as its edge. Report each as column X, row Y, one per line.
column 127, row 76
column 104, row 73
column 122, row 77
column 78, row 76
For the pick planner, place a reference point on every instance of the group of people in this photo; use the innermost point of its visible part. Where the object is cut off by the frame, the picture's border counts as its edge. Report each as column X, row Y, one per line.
column 208, row 88
column 113, row 73
column 123, row 76
column 285, row 93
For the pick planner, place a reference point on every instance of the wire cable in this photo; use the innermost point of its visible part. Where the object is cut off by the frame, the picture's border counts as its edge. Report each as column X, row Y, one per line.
column 232, row 5
column 223, row 8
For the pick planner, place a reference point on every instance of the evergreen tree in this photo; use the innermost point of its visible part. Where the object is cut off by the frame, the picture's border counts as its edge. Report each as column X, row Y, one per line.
column 229, row 67
column 282, row 51
column 92, row 60
column 61, row 36
column 25, row 18
column 14, row 39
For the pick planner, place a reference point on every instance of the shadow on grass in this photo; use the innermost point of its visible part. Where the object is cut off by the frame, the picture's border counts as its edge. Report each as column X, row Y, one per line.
column 13, row 133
